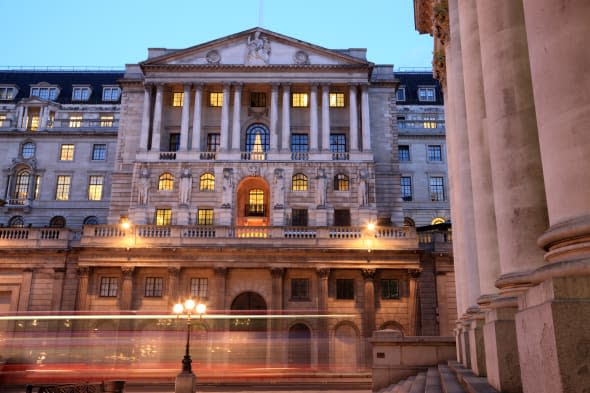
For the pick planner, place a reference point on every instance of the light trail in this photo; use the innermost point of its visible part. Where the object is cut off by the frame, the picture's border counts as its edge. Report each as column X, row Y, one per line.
column 164, row 316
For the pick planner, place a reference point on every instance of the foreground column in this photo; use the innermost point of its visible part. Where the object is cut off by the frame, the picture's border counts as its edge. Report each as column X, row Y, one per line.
column 196, row 137
column 157, row 127
column 186, row 102
column 323, row 337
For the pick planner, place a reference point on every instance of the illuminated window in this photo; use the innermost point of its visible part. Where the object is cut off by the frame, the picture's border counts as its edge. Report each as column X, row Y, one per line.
column 438, row 220
column 62, row 190
column 404, row 152
column 163, row 217
column 257, row 139
column 99, row 152
column 154, row 286
column 336, row 100
column 177, row 99
column 341, row 182
column 400, row 94
column 28, row 150
column 21, row 187
column 429, row 121
column 216, row 99
column 255, row 205
column 406, row 188
column 345, row 289
column 426, row 94
column 45, row 93
column 389, row 289
column 434, row 153
column 300, row 289
column 106, row 120
column 166, row 182
column 199, row 287
column 110, row 93
column 3, row 122
column 80, row 94
column 299, row 182
column 258, row 99
column 75, row 121
column 7, row 93
column 95, row 185
column 205, row 217
column 34, row 123
column 299, row 100
column 207, row 182
column 437, row 189
column 108, row 286
column 66, row 153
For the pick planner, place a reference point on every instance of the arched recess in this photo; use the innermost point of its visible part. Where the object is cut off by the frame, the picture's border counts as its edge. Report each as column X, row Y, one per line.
column 346, row 346
column 299, row 351
column 248, row 332
column 257, row 141
column 393, row 325
column 57, row 222
column 253, row 202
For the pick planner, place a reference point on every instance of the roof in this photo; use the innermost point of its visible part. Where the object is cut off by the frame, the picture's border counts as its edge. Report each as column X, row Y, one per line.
column 412, row 81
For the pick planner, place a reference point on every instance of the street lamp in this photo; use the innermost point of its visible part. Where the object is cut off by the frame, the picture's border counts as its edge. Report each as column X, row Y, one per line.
column 185, row 381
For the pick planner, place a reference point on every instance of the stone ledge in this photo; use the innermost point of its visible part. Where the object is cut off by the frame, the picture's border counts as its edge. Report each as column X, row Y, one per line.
column 470, row 382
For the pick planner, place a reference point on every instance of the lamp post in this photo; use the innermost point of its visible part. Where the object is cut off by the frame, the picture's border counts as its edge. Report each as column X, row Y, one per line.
column 185, row 381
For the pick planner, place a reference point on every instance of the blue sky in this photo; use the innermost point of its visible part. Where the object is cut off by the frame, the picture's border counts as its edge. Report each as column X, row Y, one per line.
column 115, row 32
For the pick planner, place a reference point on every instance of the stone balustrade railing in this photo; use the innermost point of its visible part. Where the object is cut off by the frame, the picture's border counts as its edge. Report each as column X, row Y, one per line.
column 37, row 237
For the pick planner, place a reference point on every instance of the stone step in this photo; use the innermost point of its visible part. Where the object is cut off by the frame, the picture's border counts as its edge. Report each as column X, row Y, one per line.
column 449, row 382
column 407, row 385
column 419, row 384
column 432, row 381
column 471, row 382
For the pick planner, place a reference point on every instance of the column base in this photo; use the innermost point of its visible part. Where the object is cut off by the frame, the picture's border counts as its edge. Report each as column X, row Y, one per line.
column 476, row 345
column 185, row 383
column 465, row 350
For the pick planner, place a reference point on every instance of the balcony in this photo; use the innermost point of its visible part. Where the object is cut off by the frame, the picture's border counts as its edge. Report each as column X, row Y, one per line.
column 68, row 124
column 29, row 238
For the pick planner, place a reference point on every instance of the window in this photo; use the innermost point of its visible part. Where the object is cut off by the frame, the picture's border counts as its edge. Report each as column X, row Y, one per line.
column 75, row 121
column 106, row 120
column 7, row 93
column 341, row 182
column 163, row 216
column 37, row 187
column 426, row 94
column 342, row 217
column 437, row 220
column 299, row 146
column 345, row 288
column 34, row 123
column 389, row 289
column 3, row 122
column 110, row 93
column 400, row 94
column 28, row 150
column 257, row 141
column 216, row 99
column 21, row 187
column 300, row 289
column 434, row 153
column 437, row 189
column 45, row 93
column 255, row 205
column 177, row 99
column 62, row 190
column 57, row 222
column 66, row 153
column 213, row 142
column 299, row 182
column 205, row 217
column 299, row 217
column 404, row 152
column 174, row 142
column 406, row 188
column 108, row 286
column 166, row 182
column 16, row 222
column 80, row 94
column 207, row 182
column 153, row 286
column 338, row 146
column 199, row 287
column 336, row 100
column 95, row 185
column 299, row 100
column 429, row 121
column 258, row 99
column 99, row 152
column 91, row 220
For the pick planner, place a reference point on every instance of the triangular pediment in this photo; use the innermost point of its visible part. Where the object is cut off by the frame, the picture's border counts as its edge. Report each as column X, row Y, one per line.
column 256, row 47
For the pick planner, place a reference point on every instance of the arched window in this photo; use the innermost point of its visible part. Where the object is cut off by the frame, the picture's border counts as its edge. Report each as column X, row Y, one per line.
column 257, row 141
column 91, row 220
column 341, row 182
column 255, row 206
column 408, row 222
column 16, row 222
column 28, row 150
column 299, row 182
column 207, row 182
column 166, row 182
column 438, row 220
column 21, row 186
column 57, row 222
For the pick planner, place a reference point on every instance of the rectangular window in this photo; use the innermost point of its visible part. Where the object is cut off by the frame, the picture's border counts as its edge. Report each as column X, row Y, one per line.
column 345, row 288
column 75, row 121
column 429, row 121
column 3, row 122
column 177, row 99
column 153, row 286
column 66, row 153
column 299, row 217
column 213, row 142
column 34, row 125
column 389, row 289
column 199, row 287
column 216, row 99
column 437, row 189
column 299, row 146
column 338, row 146
column 426, row 94
column 342, row 217
column 95, row 184
column 258, row 99
column 62, row 190
column 163, row 216
column 336, row 100
column 106, row 120
column 400, row 94
column 299, row 100
column 80, row 94
column 6, row 93
column 406, row 188
column 174, row 143
column 300, row 289
column 108, row 286
column 404, row 152
column 110, row 93
column 45, row 93
column 434, row 153
column 205, row 217
column 99, row 152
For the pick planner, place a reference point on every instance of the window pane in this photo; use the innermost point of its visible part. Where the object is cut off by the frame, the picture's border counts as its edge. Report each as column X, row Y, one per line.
column 163, row 216
column 207, row 182
column 299, row 217
column 106, row 121
column 406, row 188
column 66, row 153
column 174, row 144
column 336, row 100
column 28, row 150
column 437, row 192
column 108, row 286
column 299, row 182
column 300, row 289
column 345, row 289
column 154, row 286
column 75, row 121
column 404, row 152
column 205, row 217
column 166, row 182
column 199, row 287
column 389, row 289
column 21, row 188
column 341, row 182
column 177, row 99
column 95, row 185
column 434, row 153
column 216, row 99
column 299, row 100
column 400, row 94
column 62, row 192
column 213, row 141
column 99, row 152
column 258, row 99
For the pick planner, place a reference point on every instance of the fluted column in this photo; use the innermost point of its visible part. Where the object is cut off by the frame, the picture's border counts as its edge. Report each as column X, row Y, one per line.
column 365, row 117
column 224, row 138
column 19, row 117
column 274, row 116
column 197, row 118
column 157, row 127
column 286, row 118
column 126, row 295
column 25, row 123
column 145, row 118
column 413, row 302
column 236, row 123
column 44, row 117
column 353, row 117
column 186, row 102
column 368, row 311
column 82, row 294
column 323, row 336
column 277, row 338
column 58, row 281
column 313, row 118
column 325, row 117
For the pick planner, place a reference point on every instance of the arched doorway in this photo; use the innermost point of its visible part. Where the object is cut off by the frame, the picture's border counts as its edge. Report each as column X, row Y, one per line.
column 346, row 340
column 299, row 353
column 248, row 331
column 253, row 202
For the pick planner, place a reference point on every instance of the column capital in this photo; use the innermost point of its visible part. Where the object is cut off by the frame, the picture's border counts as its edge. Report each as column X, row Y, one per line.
column 369, row 274
column 127, row 271
column 83, row 271
column 325, row 84
column 323, row 272
column 314, row 85
column 220, row 271
column 187, row 85
column 414, row 273
column 286, row 85
column 174, row 271
column 277, row 272
column 198, row 85
column 237, row 85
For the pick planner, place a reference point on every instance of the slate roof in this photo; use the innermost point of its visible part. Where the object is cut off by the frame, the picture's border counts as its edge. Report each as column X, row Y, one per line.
column 65, row 80
column 412, row 81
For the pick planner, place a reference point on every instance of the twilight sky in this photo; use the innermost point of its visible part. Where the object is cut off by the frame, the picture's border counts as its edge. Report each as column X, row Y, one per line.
column 111, row 33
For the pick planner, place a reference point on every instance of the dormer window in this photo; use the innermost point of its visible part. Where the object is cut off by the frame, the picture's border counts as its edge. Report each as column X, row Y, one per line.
column 426, row 94
column 7, row 93
column 111, row 93
column 45, row 93
column 80, row 93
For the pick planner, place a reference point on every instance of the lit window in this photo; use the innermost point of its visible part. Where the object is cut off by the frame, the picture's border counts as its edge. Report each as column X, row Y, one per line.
column 28, row 150
column 45, row 93
column 255, row 205
column 37, row 187
column 341, row 182
column 429, row 121
column 99, row 152
column 434, row 153
column 299, row 217
column 75, row 121
column 258, row 99
column 300, row 289
column 177, row 99
column 437, row 189
column 62, row 191
column 153, row 286
column 404, row 152
column 163, row 217
column 406, row 188
column 345, row 289
column 80, row 94
column 6, row 93
column 21, row 188
column 106, row 120
column 300, row 100
column 213, row 142
column 95, row 185
column 108, row 286
column 110, row 93
column 207, row 182
column 336, row 100
column 205, row 217
column 34, row 123
column 426, row 94
column 199, row 287
column 66, row 153
column 389, row 289
column 216, row 99
column 3, row 122
column 437, row 220
column 299, row 182
column 257, row 141
column 400, row 94
column 166, row 182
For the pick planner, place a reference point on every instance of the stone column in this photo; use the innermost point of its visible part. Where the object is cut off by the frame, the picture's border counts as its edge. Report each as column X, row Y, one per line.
column 224, row 138
column 277, row 337
column 126, row 295
column 173, row 282
column 368, row 311
column 58, row 282
column 365, row 117
column 44, row 116
column 353, row 117
column 186, row 103
column 197, row 114
column 286, row 125
column 236, row 123
column 326, row 117
column 25, row 290
column 145, row 118
column 323, row 336
column 274, row 116
column 220, row 285
column 413, row 302
column 19, row 117
column 157, row 127
column 82, row 295
column 313, row 118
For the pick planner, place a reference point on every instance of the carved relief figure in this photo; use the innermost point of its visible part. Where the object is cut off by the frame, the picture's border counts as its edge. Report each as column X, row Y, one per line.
column 185, row 186
column 279, row 188
column 258, row 50
column 143, row 187
column 322, row 187
column 228, row 187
